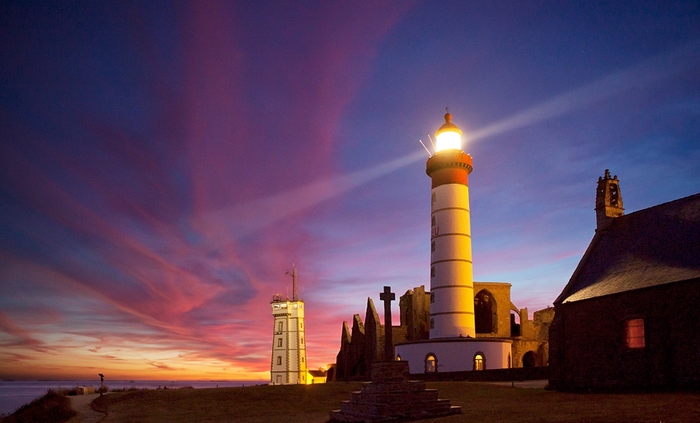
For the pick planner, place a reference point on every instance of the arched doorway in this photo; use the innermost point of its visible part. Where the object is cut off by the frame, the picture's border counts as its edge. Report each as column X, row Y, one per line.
column 485, row 312
column 530, row 359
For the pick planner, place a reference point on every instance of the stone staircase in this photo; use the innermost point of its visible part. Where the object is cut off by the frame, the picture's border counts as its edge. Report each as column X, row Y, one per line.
column 392, row 397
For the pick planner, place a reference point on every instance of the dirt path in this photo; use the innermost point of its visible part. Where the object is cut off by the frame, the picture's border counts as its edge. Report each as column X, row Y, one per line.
column 81, row 404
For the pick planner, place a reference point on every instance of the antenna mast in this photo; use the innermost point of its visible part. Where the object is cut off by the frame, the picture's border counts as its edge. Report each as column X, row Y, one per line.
column 294, row 275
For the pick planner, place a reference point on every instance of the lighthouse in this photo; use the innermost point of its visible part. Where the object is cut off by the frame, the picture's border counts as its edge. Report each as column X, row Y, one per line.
column 453, row 345
column 451, row 274
column 288, row 365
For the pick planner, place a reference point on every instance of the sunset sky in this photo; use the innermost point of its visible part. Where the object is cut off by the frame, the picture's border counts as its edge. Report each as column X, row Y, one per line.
column 163, row 164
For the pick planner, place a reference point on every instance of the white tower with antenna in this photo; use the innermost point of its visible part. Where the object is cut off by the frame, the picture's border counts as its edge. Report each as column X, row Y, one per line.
column 288, row 366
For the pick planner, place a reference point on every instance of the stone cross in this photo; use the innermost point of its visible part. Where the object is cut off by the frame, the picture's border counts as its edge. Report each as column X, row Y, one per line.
column 387, row 296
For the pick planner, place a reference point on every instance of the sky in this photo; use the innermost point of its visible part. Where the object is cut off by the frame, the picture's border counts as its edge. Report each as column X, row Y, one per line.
column 162, row 165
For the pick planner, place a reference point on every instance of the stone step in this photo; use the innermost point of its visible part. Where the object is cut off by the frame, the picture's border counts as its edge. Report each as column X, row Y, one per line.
column 394, row 397
column 370, row 387
column 375, row 409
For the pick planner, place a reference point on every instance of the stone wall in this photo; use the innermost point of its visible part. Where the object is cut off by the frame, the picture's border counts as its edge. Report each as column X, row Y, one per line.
column 589, row 349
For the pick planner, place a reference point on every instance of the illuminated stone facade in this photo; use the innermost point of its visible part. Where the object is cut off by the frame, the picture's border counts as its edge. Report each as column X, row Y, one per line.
column 288, row 363
column 361, row 343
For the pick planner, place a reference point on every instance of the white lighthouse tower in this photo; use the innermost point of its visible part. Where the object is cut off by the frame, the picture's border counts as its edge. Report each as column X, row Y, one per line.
column 288, row 365
column 453, row 345
column 451, row 274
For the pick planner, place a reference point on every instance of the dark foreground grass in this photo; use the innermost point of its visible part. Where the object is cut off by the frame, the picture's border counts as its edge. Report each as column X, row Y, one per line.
column 480, row 403
column 54, row 407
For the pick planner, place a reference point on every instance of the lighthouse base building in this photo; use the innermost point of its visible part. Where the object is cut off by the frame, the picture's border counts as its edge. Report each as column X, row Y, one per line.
column 455, row 354
column 496, row 317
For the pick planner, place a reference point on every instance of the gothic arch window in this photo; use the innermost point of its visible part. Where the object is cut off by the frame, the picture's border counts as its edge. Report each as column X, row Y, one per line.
column 485, row 312
column 479, row 361
column 431, row 363
column 514, row 323
column 530, row 359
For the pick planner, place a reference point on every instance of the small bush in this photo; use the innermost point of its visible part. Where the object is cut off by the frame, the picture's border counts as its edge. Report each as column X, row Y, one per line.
column 54, row 407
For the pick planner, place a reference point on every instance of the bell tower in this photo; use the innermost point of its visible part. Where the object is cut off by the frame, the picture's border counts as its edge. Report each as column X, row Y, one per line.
column 608, row 201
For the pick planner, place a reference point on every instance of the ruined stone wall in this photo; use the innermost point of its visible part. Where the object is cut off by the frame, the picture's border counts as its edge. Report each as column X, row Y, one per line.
column 414, row 308
column 498, row 293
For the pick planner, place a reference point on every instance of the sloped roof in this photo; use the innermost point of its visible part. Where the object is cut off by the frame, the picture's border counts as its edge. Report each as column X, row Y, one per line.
column 650, row 247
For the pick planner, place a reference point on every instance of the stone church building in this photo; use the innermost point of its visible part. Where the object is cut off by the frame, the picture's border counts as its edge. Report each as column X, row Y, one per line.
column 629, row 318
column 496, row 316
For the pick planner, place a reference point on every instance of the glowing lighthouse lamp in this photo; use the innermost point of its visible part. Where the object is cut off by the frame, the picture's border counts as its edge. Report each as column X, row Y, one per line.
column 449, row 136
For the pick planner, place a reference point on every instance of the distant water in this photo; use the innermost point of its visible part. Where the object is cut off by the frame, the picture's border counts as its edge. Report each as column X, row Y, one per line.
column 14, row 394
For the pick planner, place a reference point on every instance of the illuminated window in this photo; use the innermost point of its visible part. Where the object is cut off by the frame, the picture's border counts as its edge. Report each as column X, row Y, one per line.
column 430, row 363
column 634, row 333
column 398, row 357
column 479, row 361
column 279, row 360
column 279, row 342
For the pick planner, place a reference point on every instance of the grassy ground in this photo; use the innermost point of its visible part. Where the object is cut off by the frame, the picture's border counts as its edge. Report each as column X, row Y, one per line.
column 54, row 407
column 480, row 403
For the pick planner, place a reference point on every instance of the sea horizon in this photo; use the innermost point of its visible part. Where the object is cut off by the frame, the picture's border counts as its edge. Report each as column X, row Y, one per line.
column 14, row 393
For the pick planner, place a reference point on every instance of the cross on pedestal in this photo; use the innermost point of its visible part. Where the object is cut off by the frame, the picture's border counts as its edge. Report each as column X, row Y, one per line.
column 387, row 296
